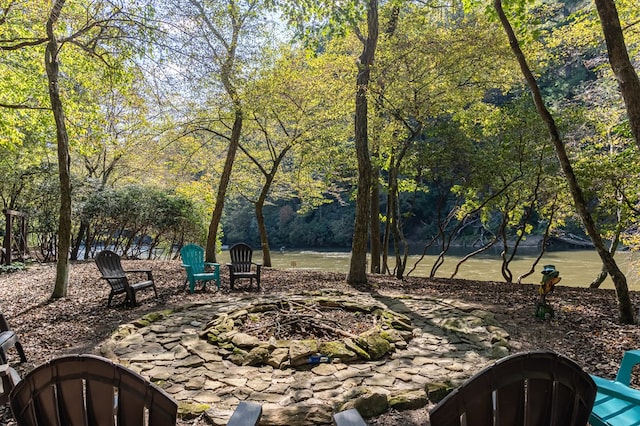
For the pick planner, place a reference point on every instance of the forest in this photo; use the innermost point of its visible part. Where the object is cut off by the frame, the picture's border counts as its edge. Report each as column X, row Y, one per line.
column 380, row 126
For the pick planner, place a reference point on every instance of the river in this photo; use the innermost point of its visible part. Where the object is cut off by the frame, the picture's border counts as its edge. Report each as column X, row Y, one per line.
column 577, row 267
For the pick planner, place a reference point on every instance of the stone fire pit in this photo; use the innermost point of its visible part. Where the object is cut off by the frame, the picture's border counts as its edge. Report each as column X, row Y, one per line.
column 331, row 330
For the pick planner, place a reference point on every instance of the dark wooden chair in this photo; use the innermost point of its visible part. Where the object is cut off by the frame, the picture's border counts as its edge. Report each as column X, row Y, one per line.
column 89, row 390
column 527, row 389
column 241, row 266
column 110, row 267
column 8, row 339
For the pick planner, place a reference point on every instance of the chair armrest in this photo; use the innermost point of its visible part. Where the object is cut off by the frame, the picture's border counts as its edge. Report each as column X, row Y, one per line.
column 629, row 360
column 215, row 266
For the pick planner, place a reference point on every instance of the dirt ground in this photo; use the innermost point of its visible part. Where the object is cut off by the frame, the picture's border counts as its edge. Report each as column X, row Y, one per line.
column 584, row 328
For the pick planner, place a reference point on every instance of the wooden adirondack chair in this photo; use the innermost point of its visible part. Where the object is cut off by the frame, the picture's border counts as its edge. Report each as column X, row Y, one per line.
column 241, row 265
column 194, row 264
column 529, row 389
column 110, row 267
column 89, row 390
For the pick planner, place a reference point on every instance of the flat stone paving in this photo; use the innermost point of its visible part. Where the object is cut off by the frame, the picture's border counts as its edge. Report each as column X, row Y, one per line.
column 451, row 342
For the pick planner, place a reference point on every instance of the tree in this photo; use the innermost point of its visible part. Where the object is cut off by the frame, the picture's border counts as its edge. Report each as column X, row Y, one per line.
column 219, row 41
column 293, row 110
column 620, row 63
column 64, row 229
column 358, row 263
column 625, row 309
column 316, row 22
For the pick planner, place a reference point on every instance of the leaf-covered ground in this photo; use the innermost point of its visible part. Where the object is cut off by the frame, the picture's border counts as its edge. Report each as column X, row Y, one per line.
column 585, row 326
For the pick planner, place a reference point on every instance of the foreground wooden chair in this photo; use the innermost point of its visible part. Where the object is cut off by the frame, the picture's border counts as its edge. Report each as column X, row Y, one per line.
column 617, row 404
column 110, row 267
column 193, row 262
column 241, row 266
column 8, row 339
column 527, row 389
column 89, row 390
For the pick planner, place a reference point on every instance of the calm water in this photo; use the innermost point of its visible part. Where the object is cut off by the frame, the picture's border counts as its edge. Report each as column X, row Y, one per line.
column 577, row 267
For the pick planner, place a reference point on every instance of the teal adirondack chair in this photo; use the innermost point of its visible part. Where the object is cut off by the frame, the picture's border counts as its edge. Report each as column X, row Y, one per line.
column 193, row 262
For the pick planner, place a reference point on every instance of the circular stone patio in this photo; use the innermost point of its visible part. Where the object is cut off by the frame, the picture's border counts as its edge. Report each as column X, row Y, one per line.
column 450, row 341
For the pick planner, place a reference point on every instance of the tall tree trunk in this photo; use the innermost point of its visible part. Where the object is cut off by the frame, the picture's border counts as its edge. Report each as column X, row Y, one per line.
column 598, row 280
column 625, row 309
column 262, row 227
column 216, row 217
column 264, row 237
column 75, row 248
column 62, row 138
column 374, row 227
column 358, row 265
column 620, row 63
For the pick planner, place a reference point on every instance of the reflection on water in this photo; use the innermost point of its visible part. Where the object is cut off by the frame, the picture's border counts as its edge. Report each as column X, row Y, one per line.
column 577, row 267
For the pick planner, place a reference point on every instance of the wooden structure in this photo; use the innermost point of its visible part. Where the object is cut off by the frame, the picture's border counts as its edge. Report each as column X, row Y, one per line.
column 617, row 404
column 529, row 388
column 15, row 241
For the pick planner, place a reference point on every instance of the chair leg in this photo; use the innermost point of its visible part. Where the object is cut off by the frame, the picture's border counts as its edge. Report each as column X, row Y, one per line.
column 9, row 378
column 109, row 301
column 20, row 350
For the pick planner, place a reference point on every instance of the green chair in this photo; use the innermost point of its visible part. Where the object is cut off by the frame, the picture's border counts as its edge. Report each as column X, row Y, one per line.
column 617, row 404
column 193, row 262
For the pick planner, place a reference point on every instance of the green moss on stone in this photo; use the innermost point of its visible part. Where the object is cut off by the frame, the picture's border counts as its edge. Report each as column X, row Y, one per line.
column 190, row 410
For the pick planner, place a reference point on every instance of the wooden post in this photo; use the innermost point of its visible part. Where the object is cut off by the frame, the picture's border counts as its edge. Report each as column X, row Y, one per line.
column 21, row 244
column 7, row 237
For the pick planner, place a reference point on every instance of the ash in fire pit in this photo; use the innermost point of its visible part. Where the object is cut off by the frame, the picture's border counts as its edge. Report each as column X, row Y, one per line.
column 297, row 331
